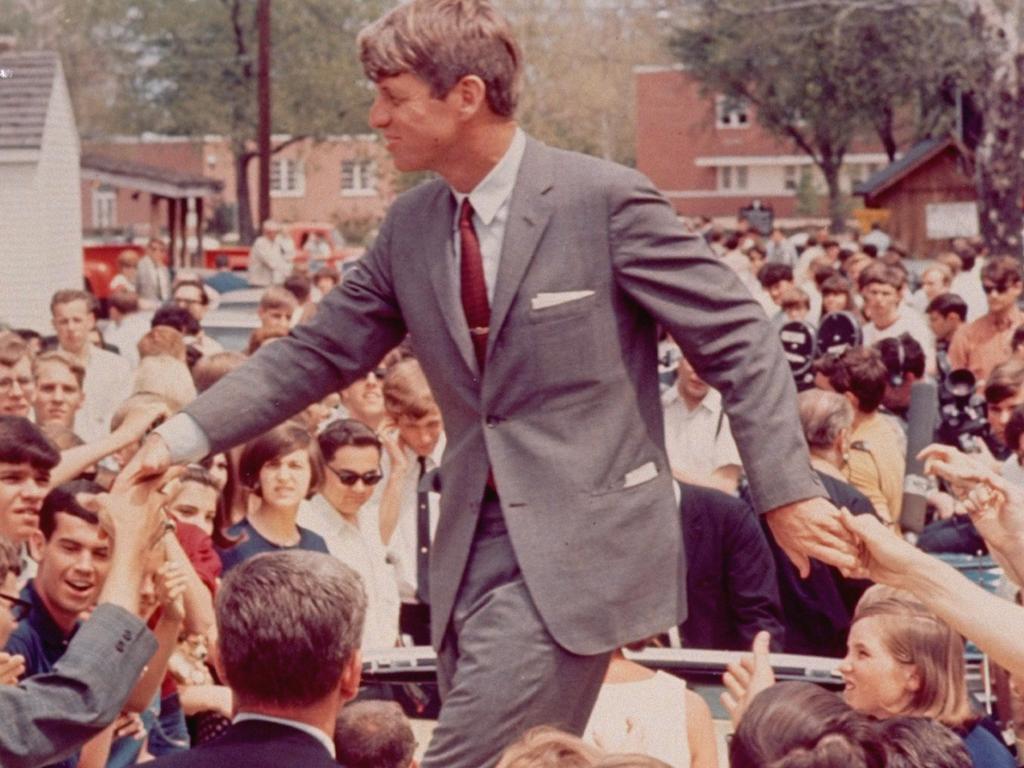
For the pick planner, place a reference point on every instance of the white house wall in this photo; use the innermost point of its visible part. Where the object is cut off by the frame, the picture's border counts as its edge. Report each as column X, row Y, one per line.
column 41, row 220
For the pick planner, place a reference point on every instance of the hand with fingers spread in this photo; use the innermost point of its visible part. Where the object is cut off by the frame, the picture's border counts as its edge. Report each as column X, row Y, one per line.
column 745, row 679
column 954, row 466
column 151, row 460
column 812, row 528
column 12, row 667
column 996, row 508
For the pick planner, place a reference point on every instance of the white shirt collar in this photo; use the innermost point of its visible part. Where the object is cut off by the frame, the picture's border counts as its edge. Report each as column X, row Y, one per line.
column 712, row 401
column 489, row 195
column 316, row 733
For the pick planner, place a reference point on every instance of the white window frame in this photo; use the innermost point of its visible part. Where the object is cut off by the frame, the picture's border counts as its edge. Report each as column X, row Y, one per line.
column 358, row 177
column 733, row 178
column 790, row 178
column 732, row 112
column 291, row 171
column 104, row 207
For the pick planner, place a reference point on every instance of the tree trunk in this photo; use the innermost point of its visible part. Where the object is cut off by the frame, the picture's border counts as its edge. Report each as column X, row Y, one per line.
column 885, row 128
column 246, row 230
column 836, row 204
column 998, row 155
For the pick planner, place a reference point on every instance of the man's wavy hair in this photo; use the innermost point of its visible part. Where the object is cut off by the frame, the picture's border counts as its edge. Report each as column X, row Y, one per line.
column 443, row 41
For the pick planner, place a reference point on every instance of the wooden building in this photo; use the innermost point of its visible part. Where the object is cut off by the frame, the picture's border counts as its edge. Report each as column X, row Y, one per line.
column 928, row 196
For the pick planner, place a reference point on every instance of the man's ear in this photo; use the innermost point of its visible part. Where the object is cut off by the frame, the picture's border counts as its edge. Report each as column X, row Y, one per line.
column 36, row 542
column 470, row 94
column 351, row 675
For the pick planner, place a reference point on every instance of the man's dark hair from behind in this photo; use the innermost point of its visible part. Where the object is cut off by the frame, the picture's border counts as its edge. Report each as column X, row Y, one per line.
column 374, row 734
column 860, row 370
column 64, row 500
column 910, row 361
column 948, row 303
column 772, row 274
column 914, row 741
column 21, row 442
column 288, row 624
column 178, row 318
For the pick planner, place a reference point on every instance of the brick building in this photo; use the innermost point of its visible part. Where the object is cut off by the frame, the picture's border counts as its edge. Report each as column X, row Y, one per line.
column 347, row 181
column 710, row 157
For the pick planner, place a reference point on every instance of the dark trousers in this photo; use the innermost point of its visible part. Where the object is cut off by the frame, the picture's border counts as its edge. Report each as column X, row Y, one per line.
column 499, row 670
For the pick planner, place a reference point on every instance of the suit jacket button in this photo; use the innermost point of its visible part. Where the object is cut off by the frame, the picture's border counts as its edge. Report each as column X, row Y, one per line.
column 120, row 646
column 127, row 635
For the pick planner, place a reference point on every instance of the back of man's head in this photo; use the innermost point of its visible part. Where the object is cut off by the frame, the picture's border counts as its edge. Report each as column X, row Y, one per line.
column 947, row 304
column 861, row 372
column 210, row 369
column 774, row 273
column 178, row 318
column 374, row 734
column 290, row 625
column 21, row 442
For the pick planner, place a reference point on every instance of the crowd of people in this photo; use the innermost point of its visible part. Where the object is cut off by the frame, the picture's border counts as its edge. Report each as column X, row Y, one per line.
column 198, row 546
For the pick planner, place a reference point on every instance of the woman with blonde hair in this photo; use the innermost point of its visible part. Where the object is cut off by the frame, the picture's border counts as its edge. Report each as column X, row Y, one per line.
column 903, row 660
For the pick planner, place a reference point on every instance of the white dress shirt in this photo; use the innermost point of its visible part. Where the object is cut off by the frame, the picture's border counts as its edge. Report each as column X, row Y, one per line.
column 359, row 546
column 404, row 541
column 699, row 441
column 108, row 383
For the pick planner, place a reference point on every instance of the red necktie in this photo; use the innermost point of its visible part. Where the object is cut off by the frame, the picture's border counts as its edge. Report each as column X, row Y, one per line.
column 473, row 285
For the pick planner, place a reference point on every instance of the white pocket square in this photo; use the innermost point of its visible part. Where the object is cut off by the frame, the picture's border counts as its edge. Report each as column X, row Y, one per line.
column 545, row 300
column 641, row 474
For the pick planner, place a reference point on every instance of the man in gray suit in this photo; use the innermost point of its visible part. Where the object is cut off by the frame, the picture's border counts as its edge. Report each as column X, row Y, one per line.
column 533, row 310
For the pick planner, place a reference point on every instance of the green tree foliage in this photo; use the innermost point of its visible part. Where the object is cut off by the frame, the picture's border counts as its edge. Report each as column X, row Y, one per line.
column 820, row 74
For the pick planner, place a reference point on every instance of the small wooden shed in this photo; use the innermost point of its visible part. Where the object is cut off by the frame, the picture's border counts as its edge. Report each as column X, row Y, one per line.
column 929, row 195
column 40, row 194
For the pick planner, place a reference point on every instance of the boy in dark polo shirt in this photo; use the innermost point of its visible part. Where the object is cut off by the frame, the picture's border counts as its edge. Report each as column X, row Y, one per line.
column 73, row 553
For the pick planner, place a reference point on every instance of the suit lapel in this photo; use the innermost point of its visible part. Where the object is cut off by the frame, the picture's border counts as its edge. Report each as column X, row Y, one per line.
column 442, row 276
column 529, row 211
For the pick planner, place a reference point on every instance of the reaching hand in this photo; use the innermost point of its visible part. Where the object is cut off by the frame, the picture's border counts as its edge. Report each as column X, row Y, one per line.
column 883, row 556
column 399, row 462
column 153, row 458
column 170, row 588
column 745, row 679
column 996, row 508
column 811, row 528
column 954, row 466
column 12, row 667
column 140, row 419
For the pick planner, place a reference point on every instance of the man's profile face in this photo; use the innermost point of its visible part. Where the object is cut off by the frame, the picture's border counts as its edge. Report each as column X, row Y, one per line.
column 73, row 322
column 73, row 565
column 1002, row 296
column 933, row 283
column 999, row 413
column 419, row 130
column 943, row 327
column 22, row 489
column 58, row 394
column 421, row 434
column 17, row 387
column 776, row 291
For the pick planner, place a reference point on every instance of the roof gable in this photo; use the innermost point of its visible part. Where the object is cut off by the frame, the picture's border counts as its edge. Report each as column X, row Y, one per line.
column 26, row 81
column 915, row 157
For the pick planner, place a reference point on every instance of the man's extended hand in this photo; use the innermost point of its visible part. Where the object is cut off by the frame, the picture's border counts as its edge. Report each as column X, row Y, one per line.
column 812, row 528
column 151, row 460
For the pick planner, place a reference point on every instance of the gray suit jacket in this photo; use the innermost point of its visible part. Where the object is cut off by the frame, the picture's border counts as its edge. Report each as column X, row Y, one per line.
column 47, row 717
column 567, row 412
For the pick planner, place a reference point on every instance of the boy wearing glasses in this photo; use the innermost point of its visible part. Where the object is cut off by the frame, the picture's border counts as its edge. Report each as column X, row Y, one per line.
column 984, row 343
column 351, row 527
column 17, row 384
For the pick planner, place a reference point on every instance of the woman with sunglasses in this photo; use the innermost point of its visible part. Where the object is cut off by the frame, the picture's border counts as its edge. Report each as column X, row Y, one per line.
column 350, row 526
column 280, row 468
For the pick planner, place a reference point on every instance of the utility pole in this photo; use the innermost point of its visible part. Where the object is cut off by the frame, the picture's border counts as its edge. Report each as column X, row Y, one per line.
column 263, row 96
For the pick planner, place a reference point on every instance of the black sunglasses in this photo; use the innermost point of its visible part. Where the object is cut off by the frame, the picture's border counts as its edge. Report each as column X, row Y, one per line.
column 348, row 477
column 19, row 608
column 996, row 287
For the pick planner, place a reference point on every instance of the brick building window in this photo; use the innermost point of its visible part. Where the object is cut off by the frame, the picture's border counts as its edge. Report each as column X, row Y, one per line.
column 790, row 178
column 358, row 177
column 733, row 177
column 104, row 206
column 732, row 112
column 287, row 177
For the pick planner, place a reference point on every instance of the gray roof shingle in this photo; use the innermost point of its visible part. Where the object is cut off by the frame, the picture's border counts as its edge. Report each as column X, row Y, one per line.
column 26, row 80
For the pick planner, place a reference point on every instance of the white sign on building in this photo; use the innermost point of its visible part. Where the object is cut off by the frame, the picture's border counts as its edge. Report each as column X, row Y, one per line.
column 947, row 220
